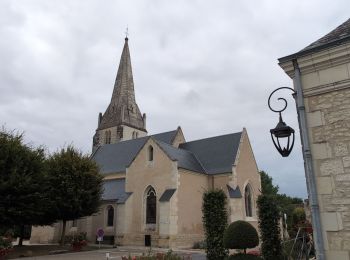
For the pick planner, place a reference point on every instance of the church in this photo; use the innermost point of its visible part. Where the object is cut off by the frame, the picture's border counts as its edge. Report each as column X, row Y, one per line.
column 153, row 184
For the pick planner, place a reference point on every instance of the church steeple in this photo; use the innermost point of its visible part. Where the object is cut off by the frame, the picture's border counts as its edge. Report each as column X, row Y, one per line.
column 122, row 113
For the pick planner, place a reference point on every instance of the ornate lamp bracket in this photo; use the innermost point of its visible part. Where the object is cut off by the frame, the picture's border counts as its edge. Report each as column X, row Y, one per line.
column 282, row 130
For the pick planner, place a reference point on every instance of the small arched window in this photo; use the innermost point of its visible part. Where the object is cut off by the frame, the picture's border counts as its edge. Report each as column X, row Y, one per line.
column 150, row 153
column 151, row 207
column 110, row 216
column 136, row 135
column 248, row 201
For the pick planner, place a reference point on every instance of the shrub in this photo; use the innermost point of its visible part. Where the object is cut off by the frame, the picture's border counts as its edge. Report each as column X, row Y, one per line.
column 244, row 257
column 5, row 246
column 77, row 241
column 214, row 222
column 269, row 227
column 241, row 235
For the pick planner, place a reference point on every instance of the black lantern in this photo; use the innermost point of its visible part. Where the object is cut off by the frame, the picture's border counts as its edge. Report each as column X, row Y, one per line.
column 282, row 130
column 282, row 133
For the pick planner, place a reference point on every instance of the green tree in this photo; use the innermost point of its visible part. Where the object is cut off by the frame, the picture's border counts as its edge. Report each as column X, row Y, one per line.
column 267, row 186
column 269, row 216
column 76, row 185
column 215, row 222
column 23, row 184
column 285, row 204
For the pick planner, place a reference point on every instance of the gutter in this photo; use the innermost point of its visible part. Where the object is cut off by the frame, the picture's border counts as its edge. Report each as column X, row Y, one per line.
column 309, row 171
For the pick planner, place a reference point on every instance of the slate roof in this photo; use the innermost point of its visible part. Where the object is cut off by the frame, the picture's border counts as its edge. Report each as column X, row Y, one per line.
column 167, row 194
column 234, row 193
column 115, row 190
column 208, row 156
column 166, row 137
column 185, row 159
column 116, row 157
column 216, row 154
column 338, row 36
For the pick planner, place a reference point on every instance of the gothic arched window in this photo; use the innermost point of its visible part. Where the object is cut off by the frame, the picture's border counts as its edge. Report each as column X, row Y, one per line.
column 150, row 153
column 151, row 207
column 248, row 201
column 110, row 216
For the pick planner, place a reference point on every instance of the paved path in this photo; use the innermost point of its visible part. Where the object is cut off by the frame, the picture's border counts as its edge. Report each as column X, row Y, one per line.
column 117, row 252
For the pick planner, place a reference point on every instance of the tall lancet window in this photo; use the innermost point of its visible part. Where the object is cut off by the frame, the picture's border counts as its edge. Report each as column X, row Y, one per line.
column 151, row 207
column 110, row 216
column 150, row 153
column 108, row 137
column 248, row 201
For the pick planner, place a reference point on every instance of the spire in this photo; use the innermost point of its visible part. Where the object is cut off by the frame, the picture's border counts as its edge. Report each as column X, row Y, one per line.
column 123, row 109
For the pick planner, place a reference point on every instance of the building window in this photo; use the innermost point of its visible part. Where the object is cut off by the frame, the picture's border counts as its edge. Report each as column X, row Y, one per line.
column 150, row 153
column 75, row 223
column 108, row 137
column 248, row 201
column 110, row 216
column 136, row 135
column 151, row 207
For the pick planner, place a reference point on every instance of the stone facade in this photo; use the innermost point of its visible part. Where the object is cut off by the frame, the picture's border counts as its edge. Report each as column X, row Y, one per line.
column 325, row 80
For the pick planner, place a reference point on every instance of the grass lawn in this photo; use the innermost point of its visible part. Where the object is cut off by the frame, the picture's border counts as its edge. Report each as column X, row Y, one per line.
column 38, row 250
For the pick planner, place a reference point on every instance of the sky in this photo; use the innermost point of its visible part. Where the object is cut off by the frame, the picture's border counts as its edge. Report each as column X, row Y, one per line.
column 207, row 66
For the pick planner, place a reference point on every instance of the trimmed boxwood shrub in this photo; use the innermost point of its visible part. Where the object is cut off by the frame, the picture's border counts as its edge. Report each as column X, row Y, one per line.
column 241, row 235
column 215, row 222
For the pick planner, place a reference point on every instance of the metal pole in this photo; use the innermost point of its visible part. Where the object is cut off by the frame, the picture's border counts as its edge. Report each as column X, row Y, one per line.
column 309, row 171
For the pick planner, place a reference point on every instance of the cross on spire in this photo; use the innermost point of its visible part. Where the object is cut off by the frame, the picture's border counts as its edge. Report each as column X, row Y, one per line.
column 127, row 32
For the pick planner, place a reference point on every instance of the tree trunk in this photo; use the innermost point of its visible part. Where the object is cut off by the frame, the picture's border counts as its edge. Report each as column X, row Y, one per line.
column 21, row 235
column 245, row 251
column 63, row 232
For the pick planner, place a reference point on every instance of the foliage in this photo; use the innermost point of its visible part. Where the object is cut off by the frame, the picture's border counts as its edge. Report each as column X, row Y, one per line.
column 244, row 257
column 23, row 184
column 215, row 222
column 269, row 227
column 267, row 186
column 5, row 246
column 76, row 241
column 158, row 256
column 241, row 235
column 76, row 185
column 199, row 245
column 286, row 204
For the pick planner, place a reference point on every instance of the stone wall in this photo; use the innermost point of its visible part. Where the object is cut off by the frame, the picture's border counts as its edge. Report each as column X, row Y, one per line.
column 329, row 115
column 325, row 80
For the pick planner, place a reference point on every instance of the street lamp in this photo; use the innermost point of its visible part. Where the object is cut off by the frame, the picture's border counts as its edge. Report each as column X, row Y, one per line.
column 282, row 133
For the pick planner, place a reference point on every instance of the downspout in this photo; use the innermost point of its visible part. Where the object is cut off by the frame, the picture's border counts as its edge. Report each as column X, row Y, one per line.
column 309, row 171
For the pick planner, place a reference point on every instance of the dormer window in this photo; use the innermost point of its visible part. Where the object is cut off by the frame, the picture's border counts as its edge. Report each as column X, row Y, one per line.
column 150, row 153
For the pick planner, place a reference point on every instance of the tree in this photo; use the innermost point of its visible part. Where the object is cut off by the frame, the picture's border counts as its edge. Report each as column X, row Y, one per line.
column 267, row 186
column 241, row 235
column 76, row 185
column 269, row 216
column 215, row 222
column 23, row 184
column 285, row 204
